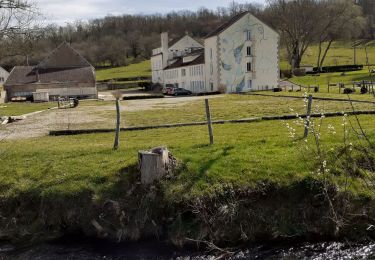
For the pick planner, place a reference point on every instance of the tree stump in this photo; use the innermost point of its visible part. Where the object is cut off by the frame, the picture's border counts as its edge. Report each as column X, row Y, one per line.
column 153, row 164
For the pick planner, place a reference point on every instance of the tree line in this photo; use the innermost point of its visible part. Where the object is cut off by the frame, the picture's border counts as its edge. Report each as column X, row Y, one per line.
column 120, row 40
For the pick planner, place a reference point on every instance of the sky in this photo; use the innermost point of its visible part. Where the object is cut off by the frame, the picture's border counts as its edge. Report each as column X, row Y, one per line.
column 64, row 11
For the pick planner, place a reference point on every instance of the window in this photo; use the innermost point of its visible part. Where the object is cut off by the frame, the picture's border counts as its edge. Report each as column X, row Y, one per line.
column 248, row 35
column 248, row 51
column 212, row 86
column 250, row 84
column 212, row 69
column 183, row 72
column 211, row 54
column 249, row 66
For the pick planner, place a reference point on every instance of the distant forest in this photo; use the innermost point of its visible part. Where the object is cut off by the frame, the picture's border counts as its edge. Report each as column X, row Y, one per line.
column 121, row 40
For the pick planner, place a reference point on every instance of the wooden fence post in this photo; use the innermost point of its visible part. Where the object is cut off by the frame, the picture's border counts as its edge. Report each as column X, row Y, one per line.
column 328, row 88
column 308, row 114
column 118, row 119
column 209, row 122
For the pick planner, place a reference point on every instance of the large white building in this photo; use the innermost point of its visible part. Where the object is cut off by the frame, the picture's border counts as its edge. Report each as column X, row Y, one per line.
column 239, row 56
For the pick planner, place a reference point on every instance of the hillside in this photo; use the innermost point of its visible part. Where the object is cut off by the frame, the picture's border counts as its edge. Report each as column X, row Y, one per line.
column 341, row 53
column 141, row 69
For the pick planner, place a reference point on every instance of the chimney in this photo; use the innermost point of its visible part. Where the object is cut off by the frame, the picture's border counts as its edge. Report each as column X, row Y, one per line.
column 164, row 47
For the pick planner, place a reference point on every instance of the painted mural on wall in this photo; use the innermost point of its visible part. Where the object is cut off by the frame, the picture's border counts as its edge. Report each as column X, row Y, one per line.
column 233, row 51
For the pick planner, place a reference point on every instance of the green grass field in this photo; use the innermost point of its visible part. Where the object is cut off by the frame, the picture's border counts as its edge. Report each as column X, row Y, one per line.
column 17, row 109
column 334, row 78
column 244, row 155
column 142, row 69
column 341, row 53
column 231, row 107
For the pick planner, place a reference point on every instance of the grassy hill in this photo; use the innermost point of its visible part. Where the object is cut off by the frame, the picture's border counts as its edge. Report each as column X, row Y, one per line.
column 141, row 69
column 341, row 53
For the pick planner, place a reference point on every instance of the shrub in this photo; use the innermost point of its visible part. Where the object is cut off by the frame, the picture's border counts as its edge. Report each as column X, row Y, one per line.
column 341, row 68
column 316, row 89
column 145, row 85
column 222, row 89
column 364, row 90
column 299, row 72
column 348, row 91
column 286, row 73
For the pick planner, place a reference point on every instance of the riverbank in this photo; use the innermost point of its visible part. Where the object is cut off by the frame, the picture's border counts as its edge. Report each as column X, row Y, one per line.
column 254, row 184
column 87, row 249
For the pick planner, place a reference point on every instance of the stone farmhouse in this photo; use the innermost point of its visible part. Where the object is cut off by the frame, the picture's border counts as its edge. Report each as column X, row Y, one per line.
column 63, row 73
column 241, row 55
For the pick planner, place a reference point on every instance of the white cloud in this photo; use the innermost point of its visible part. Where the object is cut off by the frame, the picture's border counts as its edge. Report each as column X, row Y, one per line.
column 63, row 11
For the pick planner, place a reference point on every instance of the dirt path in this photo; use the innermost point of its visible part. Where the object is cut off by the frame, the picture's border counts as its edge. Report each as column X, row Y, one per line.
column 39, row 124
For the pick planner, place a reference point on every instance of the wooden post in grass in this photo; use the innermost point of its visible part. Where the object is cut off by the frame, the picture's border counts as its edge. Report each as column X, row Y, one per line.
column 308, row 115
column 117, row 95
column 328, row 87
column 209, row 122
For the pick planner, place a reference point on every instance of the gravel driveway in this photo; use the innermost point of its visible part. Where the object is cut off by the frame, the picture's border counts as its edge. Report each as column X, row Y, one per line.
column 39, row 124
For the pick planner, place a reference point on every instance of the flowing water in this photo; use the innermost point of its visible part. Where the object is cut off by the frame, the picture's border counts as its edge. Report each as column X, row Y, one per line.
column 95, row 250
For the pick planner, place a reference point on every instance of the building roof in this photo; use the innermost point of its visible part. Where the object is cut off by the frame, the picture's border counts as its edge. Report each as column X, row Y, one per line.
column 64, row 56
column 174, row 41
column 21, row 75
column 179, row 63
column 232, row 21
column 64, row 64
column 227, row 24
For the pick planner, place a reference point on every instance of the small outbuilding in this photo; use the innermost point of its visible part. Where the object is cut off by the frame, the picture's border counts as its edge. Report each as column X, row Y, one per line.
column 63, row 73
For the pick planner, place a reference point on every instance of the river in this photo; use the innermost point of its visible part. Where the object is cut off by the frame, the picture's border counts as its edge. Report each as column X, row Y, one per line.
column 97, row 249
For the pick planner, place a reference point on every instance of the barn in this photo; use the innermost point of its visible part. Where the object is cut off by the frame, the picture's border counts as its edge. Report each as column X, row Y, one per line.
column 63, row 73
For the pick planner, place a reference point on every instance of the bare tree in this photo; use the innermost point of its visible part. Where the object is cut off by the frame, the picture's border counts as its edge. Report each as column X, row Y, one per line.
column 18, row 23
column 340, row 20
column 296, row 21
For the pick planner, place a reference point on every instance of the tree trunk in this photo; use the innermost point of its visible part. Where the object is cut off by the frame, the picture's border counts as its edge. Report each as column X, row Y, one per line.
column 319, row 56
column 117, row 136
column 325, row 55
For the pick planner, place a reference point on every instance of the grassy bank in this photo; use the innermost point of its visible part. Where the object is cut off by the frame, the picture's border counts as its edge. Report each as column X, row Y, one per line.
column 141, row 69
column 341, row 53
column 17, row 109
column 334, row 78
column 253, row 183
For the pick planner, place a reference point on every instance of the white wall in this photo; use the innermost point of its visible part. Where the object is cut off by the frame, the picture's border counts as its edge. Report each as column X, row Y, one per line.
column 233, row 56
column 157, row 69
column 211, row 63
column 193, row 80
column 3, row 75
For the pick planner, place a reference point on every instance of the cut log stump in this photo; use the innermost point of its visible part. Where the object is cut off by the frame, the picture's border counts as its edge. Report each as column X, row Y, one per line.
column 153, row 164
